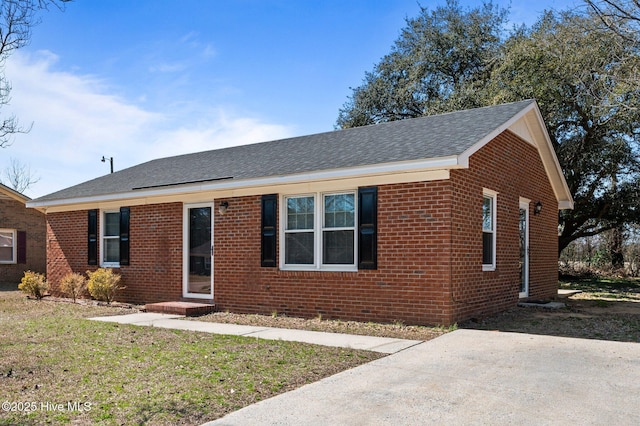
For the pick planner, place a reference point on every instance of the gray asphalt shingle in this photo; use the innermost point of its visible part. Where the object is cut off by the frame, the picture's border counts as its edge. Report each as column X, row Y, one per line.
column 428, row 137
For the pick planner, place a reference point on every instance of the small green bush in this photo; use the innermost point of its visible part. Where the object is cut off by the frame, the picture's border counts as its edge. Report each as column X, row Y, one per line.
column 103, row 284
column 73, row 285
column 34, row 284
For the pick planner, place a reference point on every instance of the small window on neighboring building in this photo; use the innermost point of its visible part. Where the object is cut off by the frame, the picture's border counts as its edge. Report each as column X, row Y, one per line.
column 8, row 246
column 489, row 230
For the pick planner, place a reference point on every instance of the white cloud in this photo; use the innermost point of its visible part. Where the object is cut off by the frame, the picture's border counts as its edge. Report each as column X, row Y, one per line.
column 218, row 130
column 77, row 119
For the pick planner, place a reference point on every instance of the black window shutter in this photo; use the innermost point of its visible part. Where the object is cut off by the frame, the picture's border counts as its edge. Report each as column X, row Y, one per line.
column 124, row 235
column 93, row 237
column 269, row 230
column 367, row 228
column 22, row 247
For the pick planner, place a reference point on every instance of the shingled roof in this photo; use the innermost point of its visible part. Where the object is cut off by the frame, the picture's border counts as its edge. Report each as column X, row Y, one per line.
column 430, row 137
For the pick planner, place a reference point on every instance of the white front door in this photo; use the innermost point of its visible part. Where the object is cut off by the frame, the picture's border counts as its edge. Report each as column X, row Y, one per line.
column 524, row 248
column 197, row 266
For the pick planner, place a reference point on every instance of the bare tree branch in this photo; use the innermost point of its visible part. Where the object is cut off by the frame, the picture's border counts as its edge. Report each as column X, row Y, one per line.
column 17, row 17
column 18, row 176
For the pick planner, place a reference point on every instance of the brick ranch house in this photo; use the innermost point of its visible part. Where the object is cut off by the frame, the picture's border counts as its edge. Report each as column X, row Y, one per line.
column 22, row 237
column 431, row 220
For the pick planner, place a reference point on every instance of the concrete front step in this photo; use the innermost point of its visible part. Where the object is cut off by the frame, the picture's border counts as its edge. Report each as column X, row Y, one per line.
column 189, row 309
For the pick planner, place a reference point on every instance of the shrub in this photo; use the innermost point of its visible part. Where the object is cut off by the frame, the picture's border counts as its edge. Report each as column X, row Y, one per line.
column 103, row 284
column 34, row 284
column 73, row 285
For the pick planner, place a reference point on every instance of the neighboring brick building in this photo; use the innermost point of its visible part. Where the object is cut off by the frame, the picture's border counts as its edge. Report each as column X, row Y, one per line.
column 22, row 237
column 431, row 220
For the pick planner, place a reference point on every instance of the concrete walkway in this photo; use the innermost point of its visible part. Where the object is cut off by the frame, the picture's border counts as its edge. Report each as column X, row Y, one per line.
column 376, row 344
column 471, row 377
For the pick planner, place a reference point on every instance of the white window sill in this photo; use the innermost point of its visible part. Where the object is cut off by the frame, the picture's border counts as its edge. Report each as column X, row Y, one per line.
column 109, row 265
column 346, row 268
column 488, row 268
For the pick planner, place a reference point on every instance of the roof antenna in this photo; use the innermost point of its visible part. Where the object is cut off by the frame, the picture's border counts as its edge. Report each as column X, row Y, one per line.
column 104, row 160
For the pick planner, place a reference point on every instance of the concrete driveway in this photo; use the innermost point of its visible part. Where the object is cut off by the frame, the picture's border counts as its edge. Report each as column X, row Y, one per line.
column 471, row 377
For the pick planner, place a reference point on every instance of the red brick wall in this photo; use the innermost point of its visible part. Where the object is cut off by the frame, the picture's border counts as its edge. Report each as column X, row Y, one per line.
column 410, row 284
column 512, row 168
column 155, row 270
column 14, row 215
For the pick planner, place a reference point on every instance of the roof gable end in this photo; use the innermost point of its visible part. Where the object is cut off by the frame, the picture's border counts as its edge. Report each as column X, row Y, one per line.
column 6, row 192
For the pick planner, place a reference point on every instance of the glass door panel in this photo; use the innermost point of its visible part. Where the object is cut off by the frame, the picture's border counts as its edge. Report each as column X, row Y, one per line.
column 198, row 252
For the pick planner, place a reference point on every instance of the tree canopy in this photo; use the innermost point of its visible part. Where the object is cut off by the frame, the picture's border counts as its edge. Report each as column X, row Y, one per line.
column 440, row 57
column 583, row 74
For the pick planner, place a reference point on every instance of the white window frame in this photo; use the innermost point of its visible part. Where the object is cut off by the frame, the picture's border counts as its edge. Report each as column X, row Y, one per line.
column 14, row 252
column 103, row 238
column 493, row 195
column 318, row 233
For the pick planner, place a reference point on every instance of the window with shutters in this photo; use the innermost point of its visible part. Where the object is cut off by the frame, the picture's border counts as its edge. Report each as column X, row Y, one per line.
column 8, row 246
column 319, row 231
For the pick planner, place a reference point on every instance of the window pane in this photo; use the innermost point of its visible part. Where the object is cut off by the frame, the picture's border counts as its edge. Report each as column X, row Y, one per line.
column 6, row 246
column 6, row 254
column 487, row 214
column 112, row 250
column 487, row 248
column 6, row 239
column 339, row 211
column 112, row 224
column 299, row 248
column 337, row 247
column 300, row 213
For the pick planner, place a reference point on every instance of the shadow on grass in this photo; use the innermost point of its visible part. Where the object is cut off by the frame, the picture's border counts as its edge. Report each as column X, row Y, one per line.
column 607, row 309
column 601, row 285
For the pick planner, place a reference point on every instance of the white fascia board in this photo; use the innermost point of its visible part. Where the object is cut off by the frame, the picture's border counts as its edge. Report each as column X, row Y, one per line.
column 545, row 148
column 464, row 157
column 440, row 163
column 12, row 194
column 560, row 186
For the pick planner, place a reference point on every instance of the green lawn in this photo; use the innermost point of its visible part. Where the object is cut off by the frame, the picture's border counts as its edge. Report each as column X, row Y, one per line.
column 57, row 367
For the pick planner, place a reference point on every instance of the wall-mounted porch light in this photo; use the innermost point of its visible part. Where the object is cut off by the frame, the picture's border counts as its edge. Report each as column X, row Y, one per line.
column 537, row 208
column 223, row 207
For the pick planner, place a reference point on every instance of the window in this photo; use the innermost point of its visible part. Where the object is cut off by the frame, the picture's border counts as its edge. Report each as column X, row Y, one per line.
column 111, row 238
column 299, row 232
column 8, row 246
column 489, row 230
column 339, row 229
column 320, row 231
column 114, row 237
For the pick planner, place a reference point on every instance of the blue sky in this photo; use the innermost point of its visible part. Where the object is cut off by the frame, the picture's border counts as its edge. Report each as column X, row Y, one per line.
column 138, row 80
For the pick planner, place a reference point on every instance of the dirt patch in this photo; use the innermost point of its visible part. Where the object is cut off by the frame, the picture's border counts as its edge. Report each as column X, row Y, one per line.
column 586, row 315
column 397, row 330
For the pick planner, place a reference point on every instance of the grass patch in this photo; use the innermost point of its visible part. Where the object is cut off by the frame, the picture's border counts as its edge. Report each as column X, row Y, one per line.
column 85, row 372
column 598, row 287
